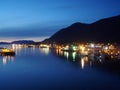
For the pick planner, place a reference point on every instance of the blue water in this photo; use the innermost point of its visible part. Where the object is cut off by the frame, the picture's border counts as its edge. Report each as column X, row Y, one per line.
column 40, row 69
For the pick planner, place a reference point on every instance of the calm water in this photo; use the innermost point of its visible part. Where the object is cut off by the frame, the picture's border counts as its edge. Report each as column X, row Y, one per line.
column 34, row 68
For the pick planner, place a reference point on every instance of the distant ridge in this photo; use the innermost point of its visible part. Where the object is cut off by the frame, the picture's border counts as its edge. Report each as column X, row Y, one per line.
column 104, row 30
column 23, row 42
column 4, row 43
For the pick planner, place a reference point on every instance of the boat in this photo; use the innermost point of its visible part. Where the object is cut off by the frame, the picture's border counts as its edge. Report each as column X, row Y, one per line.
column 6, row 51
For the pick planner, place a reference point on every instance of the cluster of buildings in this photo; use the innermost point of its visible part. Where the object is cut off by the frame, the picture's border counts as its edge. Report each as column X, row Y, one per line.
column 98, row 50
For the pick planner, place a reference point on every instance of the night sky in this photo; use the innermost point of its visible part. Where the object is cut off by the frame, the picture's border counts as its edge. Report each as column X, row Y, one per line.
column 39, row 19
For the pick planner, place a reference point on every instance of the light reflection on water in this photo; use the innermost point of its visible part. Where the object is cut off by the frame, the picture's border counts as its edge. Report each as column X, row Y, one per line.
column 66, row 55
column 39, row 68
column 83, row 61
column 7, row 59
column 45, row 50
column 72, row 56
column 86, row 60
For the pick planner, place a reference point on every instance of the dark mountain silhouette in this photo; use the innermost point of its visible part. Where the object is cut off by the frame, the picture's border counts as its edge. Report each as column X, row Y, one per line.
column 4, row 43
column 23, row 42
column 105, row 30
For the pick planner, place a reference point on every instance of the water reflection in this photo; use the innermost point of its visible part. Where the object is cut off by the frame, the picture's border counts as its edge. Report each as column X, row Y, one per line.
column 82, row 63
column 4, row 59
column 59, row 52
column 67, row 55
column 70, row 55
column 7, row 59
column 25, row 49
column 87, row 60
column 83, row 60
column 45, row 50
column 74, row 57
column 16, row 48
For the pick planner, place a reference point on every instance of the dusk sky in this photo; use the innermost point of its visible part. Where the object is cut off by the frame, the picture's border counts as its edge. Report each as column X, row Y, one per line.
column 39, row 19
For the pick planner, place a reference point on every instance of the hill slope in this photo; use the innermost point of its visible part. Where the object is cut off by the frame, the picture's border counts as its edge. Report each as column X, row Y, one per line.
column 105, row 30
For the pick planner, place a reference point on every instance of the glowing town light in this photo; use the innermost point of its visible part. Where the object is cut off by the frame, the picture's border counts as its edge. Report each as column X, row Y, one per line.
column 44, row 46
column 66, row 48
column 106, row 48
column 86, row 52
column 82, row 48
column 74, row 48
column 92, row 45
